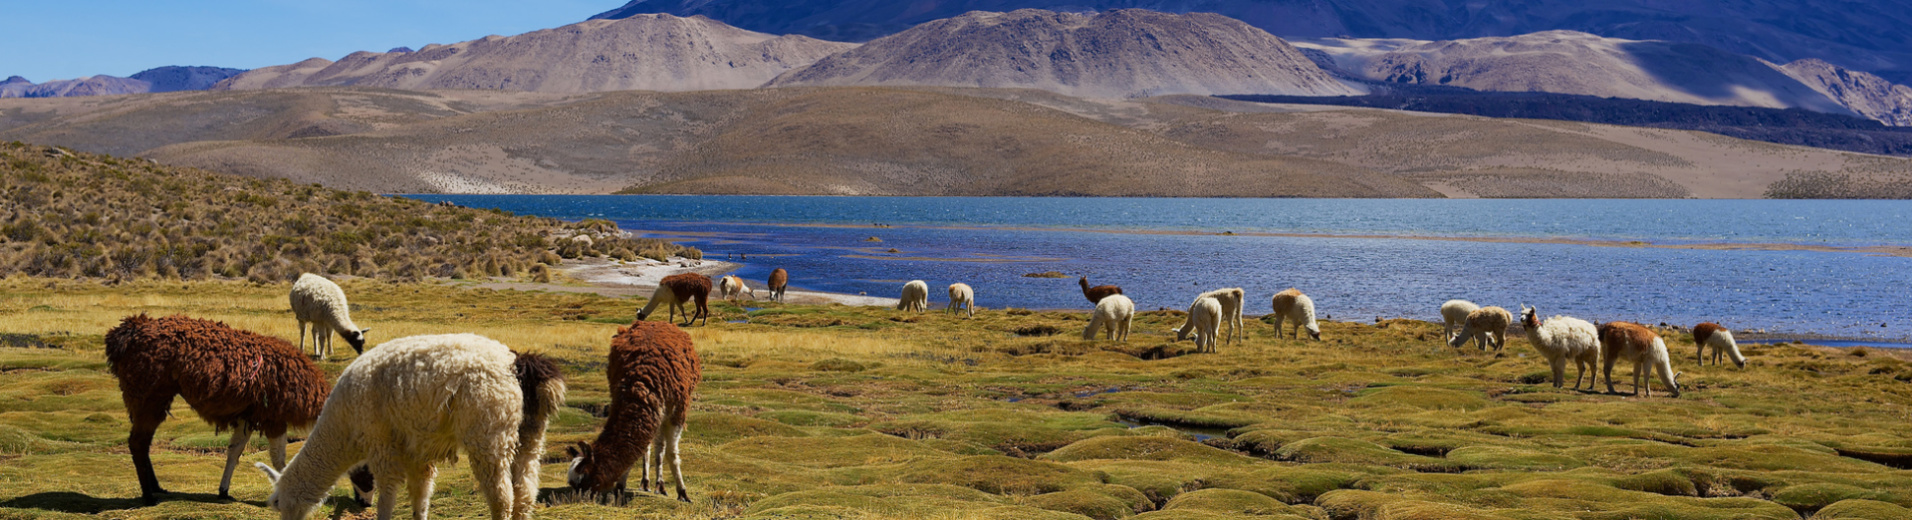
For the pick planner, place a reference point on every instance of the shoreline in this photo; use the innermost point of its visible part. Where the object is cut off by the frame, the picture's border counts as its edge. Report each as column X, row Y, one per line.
column 1904, row 251
column 640, row 278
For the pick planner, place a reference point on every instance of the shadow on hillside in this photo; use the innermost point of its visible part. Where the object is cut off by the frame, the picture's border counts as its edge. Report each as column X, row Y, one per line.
column 1711, row 73
column 70, row 502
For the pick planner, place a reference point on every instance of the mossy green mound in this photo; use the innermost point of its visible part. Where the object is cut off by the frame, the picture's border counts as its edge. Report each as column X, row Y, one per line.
column 1858, row 509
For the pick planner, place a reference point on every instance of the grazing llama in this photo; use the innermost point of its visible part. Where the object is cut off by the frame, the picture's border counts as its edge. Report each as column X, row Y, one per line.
column 412, row 403
column 1636, row 343
column 1292, row 305
column 915, row 297
column 963, row 297
column 677, row 289
column 321, row 303
column 779, row 280
column 1097, row 293
column 653, row 370
column 1713, row 335
column 1564, row 339
column 1487, row 326
column 1454, row 317
column 1206, row 316
column 732, row 288
column 1112, row 314
column 234, row 379
column 1231, row 300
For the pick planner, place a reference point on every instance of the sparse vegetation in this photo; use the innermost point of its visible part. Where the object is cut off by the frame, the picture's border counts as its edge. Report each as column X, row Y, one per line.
column 810, row 411
column 78, row 215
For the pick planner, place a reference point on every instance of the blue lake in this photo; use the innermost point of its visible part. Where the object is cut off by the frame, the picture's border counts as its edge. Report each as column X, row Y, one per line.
column 1164, row 251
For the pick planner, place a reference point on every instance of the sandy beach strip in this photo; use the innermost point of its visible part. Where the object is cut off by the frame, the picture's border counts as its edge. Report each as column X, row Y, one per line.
column 640, row 278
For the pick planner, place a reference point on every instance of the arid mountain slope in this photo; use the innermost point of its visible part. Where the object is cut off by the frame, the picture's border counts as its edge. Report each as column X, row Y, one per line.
column 1567, row 62
column 1124, row 53
column 161, row 79
column 937, row 141
column 1874, row 35
column 1866, row 94
column 649, row 52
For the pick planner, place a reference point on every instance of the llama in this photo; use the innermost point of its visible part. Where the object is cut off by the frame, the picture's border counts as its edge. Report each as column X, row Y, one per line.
column 320, row 302
column 1454, row 317
column 1713, row 335
column 1206, row 316
column 1231, row 300
column 915, row 297
column 1292, row 305
column 732, row 288
column 1638, row 344
column 412, row 403
column 653, row 370
column 234, row 379
column 1097, row 293
column 961, row 295
column 779, row 280
column 1486, row 326
column 1560, row 340
column 676, row 289
column 1112, row 314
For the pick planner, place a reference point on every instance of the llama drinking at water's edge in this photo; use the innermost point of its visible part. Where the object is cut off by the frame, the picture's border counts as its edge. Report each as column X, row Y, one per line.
column 1454, row 317
column 1564, row 339
column 1097, row 293
column 674, row 290
column 1487, row 326
column 1640, row 345
column 234, row 379
column 1721, row 340
column 321, row 303
column 1292, row 305
column 1112, row 314
column 413, row 403
column 653, row 370
column 779, row 280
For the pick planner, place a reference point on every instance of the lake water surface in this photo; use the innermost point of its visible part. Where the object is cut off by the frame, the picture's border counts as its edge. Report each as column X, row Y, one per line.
column 1164, row 251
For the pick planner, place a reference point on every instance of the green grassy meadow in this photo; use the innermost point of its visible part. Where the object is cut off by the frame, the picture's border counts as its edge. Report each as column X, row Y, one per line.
column 841, row 412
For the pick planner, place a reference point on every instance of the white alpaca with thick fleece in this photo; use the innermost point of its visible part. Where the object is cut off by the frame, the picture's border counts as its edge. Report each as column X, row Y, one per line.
column 321, row 303
column 1454, row 317
column 410, row 404
column 1562, row 339
column 961, row 297
column 1113, row 314
column 915, row 297
column 1206, row 316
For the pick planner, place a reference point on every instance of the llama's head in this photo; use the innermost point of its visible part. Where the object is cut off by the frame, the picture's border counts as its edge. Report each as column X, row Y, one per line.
column 357, row 340
column 584, row 473
column 1314, row 331
column 1676, row 383
column 1529, row 316
column 288, row 500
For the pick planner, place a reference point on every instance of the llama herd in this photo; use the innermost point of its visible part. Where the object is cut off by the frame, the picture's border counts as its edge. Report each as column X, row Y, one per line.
column 404, row 407
column 401, row 408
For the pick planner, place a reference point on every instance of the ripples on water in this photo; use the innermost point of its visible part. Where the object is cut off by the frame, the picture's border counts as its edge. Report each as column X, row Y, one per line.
column 1358, row 279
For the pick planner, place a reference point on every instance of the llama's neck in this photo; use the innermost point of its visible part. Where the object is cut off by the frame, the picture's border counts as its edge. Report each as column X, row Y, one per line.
column 343, row 325
column 324, row 457
column 627, row 430
column 657, row 298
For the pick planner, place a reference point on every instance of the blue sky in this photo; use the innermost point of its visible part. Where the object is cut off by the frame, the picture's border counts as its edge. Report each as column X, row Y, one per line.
column 65, row 39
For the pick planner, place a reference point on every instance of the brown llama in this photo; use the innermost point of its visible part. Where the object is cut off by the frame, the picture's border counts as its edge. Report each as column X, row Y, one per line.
column 676, row 289
column 653, row 370
column 779, row 280
column 1640, row 345
column 234, row 379
column 1097, row 293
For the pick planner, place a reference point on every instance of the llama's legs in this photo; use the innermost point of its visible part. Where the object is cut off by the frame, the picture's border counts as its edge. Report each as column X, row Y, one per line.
column 644, row 480
column 1608, row 371
column 146, row 415
column 490, row 470
column 676, row 433
column 654, row 463
column 240, row 435
column 388, row 476
column 1560, row 371
column 301, row 336
column 278, row 453
column 420, row 481
column 1122, row 327
column 1639, row 377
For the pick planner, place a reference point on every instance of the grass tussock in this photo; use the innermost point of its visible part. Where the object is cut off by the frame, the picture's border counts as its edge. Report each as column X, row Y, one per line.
column 842, row 412
column 76, row 215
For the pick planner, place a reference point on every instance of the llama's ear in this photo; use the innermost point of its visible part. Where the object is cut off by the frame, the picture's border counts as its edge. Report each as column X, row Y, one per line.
column 271, row 474
column 364, row 330
column 571, row 451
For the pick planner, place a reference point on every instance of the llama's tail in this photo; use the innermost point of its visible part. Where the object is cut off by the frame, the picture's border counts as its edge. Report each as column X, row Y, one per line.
column 543, row 386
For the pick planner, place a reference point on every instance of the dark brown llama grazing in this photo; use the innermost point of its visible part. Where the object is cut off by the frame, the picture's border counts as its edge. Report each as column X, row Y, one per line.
column 1097, row 293
column 653, row 370
column 676, row 289
column 236, row 380
column 779, row 280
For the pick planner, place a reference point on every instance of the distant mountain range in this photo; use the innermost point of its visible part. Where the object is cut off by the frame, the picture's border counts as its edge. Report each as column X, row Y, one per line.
column 162, row 79
column 1871, row 35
